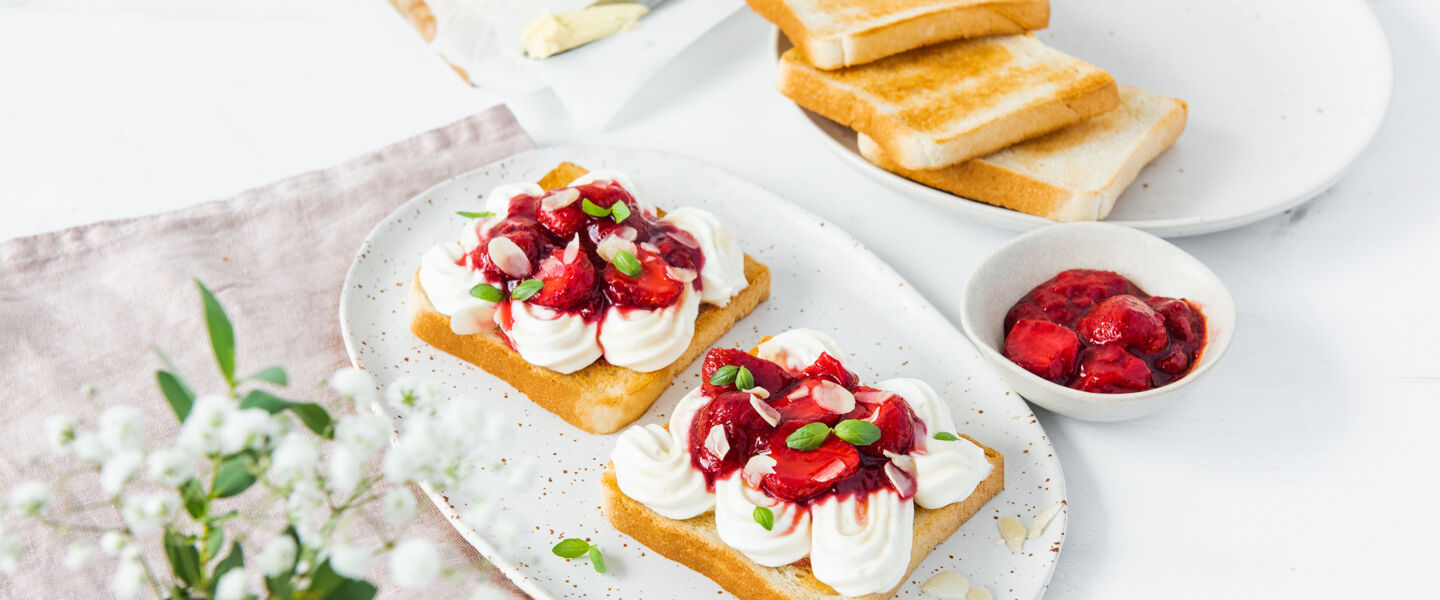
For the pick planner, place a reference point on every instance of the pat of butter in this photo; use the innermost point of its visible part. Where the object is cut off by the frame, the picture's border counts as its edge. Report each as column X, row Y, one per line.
column 552, row 34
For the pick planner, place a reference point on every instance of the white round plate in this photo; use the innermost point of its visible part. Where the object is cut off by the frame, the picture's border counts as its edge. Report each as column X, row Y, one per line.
column 1283, row 96
column 821, row 278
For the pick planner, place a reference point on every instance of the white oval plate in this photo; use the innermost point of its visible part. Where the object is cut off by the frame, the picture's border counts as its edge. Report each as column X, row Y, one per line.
column 1284, row 95
column 821, row 278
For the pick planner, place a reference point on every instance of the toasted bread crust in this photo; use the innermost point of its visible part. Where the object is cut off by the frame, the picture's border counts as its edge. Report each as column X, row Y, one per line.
column 695, row 543
column 860, row 45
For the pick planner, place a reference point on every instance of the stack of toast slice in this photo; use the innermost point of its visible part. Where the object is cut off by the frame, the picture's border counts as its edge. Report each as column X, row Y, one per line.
column 968, row 105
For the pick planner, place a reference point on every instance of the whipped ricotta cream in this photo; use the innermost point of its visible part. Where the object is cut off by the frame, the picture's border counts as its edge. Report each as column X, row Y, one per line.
column 856, row 545
column 639, row 339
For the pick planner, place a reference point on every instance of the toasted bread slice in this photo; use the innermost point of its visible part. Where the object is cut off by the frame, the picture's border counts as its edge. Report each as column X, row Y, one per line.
column 696, row 544
column 945, row 104
column 843, row 33
column 600, row 398
column 1074, row 174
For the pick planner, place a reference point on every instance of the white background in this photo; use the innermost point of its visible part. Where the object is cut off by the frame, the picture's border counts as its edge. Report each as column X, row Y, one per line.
column 1305, row 465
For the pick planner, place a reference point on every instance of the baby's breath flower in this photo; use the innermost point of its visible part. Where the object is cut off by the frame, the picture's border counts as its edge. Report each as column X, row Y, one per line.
column 520, row 473
column 29, row 498
column 10, row 552
column 78, row 555
column 398, row 505
column 201, row 431
column 486, row 591
column 129, row 578
column 231, row 586
column 113, row 543
column 248, row 429
column 349, row 561
column 295, row 457
column 354, row 385
column 118, row 471
column 122, row 428
column 88, row 448
column 277, row 556
column 362, row 433
column 60, row 431
column 414, row 563
column 172, row 465
column 345, row 471
column 498, row 427
column 148, row 512
column 412, row 395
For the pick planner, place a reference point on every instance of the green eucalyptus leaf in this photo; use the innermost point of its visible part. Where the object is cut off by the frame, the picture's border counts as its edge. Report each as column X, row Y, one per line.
column 765, row 517
column 222, row 335
column 184, row 558
column 197, row 502
column 724, row 375
column 179, row 396
column 275, row 375
column 571, row 548
column 597, row 559
column 353, row 589
column 324, row 581
column 233, row 477
column 626, row 263
column 234, row 560
column 314, row 416
column 808, row 437
column 857, row 432
column 214, row 542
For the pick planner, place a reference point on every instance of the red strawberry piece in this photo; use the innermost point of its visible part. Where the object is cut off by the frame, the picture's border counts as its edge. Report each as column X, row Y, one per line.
column 652, row 288
column 1043, row 348
column 768, row 375
column 1064, row 298
column 526, row 235
column 565, row 221
column 1127, row 320
column 802, row 403
column 894, row 418
column 1175, row 362
column 830, row 367
column 1109, row 369
column 744, row 430
column 677, row 246
column 566, row 284
column 1181, row 319
column 800, row 475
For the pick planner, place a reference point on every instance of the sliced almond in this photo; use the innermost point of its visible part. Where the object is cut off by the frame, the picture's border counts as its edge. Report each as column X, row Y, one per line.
column 572, row 250
column 766, row 411
column 651, row 247
column 904, row 481
column 830, row 396
column 946, row 585
column 612, row 244
column 716, row 442
column 509, row 257
column 680, row 274
column 627, row 232
column 1013, row 531
column 904, row 461
column 1042, row 520
column 831, row 471
column 874, row 396
column 978, row 593
column 560, row 199
column 759, row 466
column 760, row 393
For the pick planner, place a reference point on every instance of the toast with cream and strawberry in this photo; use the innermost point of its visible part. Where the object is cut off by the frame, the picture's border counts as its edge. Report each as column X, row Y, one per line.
column 582, row 294
column 782, row 476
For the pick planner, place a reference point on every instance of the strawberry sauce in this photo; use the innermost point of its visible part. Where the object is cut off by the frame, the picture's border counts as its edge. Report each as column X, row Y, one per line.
column 836, row 467
column 1096, row 331
column 577, row 279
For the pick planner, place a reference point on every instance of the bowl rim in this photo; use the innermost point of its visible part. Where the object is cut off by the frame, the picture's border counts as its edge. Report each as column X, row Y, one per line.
column 1211, row 352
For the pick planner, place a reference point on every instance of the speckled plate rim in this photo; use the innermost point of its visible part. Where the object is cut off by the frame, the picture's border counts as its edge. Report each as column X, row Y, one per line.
column 784, row 209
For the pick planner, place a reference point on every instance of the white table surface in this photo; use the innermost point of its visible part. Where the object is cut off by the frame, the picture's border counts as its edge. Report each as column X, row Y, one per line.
column 1304, row 467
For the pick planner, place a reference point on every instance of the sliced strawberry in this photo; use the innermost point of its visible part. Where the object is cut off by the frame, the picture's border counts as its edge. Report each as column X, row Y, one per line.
column 677, row 246
column 1181, row 319
column 525, row 233
column 1109, row 369
column 744, row 429
column 768, row 375
column 804, row 403
column 565, row 221
column 653, row 288
column 1043, row 348
column 1127, row 320
column 829, row 366
column 803, row 474
column 894, row 418
column 567, row 285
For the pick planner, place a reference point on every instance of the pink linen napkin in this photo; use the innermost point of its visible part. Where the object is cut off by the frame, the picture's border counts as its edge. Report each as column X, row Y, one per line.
column 83, row 307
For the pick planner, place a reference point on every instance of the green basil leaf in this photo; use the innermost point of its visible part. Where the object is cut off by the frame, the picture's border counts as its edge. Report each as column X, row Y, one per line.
column 571, row 548
column 620, row 211
column 808, row 437
column 765, row 517
column 626, row 263
column 857, row 432
column 744, row 379
column 946, row 436
column 184, row 558
column 487, row 292
column 593, row 209
column 179, row 396
column 234, row 476
column 724, row 375
column 474, row 215
column 597, row 559
column 222, row 335
column 275, row 375
column 526, row 289
column 197, row 503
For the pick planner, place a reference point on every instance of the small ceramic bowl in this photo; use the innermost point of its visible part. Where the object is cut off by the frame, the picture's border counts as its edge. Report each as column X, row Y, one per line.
column 1157, row 266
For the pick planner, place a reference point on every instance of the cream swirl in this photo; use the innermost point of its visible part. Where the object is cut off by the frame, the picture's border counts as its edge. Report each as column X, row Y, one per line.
column 861, row 547
column 648, row 340
column 652, row 465
column 787, row 541
column 498, row 201
column 723, row 275
column 797, row 349
column 945, row 472
column 564, row 342
column 447, row 284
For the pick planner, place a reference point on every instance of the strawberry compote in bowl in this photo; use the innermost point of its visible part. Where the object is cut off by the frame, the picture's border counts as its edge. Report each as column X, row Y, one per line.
column 1096, row 321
